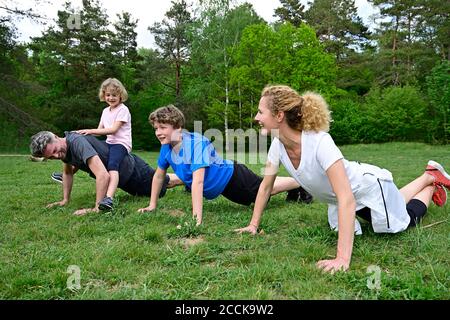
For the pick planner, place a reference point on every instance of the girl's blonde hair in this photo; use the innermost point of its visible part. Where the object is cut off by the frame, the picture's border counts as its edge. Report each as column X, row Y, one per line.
column 303, row 112
column 117, row 88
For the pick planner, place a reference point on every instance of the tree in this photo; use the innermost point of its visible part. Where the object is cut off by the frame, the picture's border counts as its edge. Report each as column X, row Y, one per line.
column 215, row 39
column 291, row 11
column 171, row 38
column 408, row 45
column 124, row 41
column 338, row 26
column 7, row 44
column 434, row 25
column 438, row 89
column 124, row 49
column 282, row 55
column 72, row 60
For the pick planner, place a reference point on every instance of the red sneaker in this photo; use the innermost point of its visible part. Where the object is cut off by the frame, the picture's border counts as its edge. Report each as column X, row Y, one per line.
column 439, row 196
column 438, row 172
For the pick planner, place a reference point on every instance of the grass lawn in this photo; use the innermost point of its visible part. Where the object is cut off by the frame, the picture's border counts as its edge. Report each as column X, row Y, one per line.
column 127, row 255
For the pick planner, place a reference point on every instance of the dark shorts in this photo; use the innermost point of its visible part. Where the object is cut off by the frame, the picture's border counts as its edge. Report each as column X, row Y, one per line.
column 116, row 154
column 243, row 185
column 140, row 182
column 416, row 210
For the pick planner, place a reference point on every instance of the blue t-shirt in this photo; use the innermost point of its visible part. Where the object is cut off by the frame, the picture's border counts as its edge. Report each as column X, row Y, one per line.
column 197, row 152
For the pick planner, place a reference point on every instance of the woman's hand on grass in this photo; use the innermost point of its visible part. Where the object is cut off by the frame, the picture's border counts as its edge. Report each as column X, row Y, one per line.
column 252, row 229
column 333, row 265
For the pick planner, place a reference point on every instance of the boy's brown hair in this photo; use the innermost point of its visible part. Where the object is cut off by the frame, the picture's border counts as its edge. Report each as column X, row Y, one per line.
column 168, row 115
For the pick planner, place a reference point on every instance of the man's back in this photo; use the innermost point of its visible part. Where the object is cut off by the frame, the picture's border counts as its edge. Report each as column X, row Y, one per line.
column 80, row 148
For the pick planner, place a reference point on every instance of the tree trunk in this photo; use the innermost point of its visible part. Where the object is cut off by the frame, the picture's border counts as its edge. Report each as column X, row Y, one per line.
column 251, row 111
column 226, row 100
column 177, row 80
column 240, row 105
column 395, row 75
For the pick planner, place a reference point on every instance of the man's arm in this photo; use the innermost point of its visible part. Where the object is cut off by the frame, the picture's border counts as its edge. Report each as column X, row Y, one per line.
column 158, row 180
column 101, row 178
column 68, row 172
column 101, row 183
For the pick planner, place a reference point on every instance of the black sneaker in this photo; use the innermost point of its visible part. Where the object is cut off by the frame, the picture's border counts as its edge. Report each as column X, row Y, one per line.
column 299, row 195
column 106, row 204
column 57, row 176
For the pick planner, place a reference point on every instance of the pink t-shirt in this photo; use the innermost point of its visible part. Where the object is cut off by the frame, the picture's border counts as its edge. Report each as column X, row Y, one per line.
column 123, row 135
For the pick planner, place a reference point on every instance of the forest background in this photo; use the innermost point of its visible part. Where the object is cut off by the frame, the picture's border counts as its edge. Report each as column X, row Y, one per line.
column 390, row 82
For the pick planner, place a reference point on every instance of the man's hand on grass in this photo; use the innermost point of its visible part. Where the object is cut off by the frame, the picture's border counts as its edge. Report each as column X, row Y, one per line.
column 82, row 212
column 59, row 203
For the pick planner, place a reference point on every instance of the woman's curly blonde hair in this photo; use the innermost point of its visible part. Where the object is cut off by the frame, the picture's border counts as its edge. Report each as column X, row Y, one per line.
column 307, row 112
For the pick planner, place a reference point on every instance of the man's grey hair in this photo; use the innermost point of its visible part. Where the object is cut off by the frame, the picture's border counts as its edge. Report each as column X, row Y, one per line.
column 40, row 141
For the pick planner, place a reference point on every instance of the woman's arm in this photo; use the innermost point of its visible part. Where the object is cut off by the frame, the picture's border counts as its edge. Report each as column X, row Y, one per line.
column 264, row 191
column 346, row 218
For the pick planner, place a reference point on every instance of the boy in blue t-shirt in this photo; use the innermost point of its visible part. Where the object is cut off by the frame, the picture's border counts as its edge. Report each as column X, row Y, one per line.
column 194, row 160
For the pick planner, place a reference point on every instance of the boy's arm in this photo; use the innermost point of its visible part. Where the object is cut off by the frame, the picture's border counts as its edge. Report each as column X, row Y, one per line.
column 157, row 183
column 198, row 177
column 264, row 191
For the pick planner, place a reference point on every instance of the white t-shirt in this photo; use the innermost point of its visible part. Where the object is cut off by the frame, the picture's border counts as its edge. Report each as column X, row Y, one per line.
column 123, row 135
column 371, row 186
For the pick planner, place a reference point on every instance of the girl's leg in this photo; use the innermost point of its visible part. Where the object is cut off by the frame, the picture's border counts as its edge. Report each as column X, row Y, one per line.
column 113, row 183
column 415, row 187
column 284, row 184
column 116, row 154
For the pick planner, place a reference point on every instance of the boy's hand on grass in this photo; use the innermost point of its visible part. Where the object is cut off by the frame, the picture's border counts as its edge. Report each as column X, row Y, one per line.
column 82, row 212
column 197, row 218
column 146, row 209
column 252, row 229
column 59, row 203
column 334, row 265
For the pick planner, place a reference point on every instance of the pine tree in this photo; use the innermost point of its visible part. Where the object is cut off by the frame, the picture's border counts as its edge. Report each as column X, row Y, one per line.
column 338, row 26
column 291, row 11
column 124, row 40
column 171, row 38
